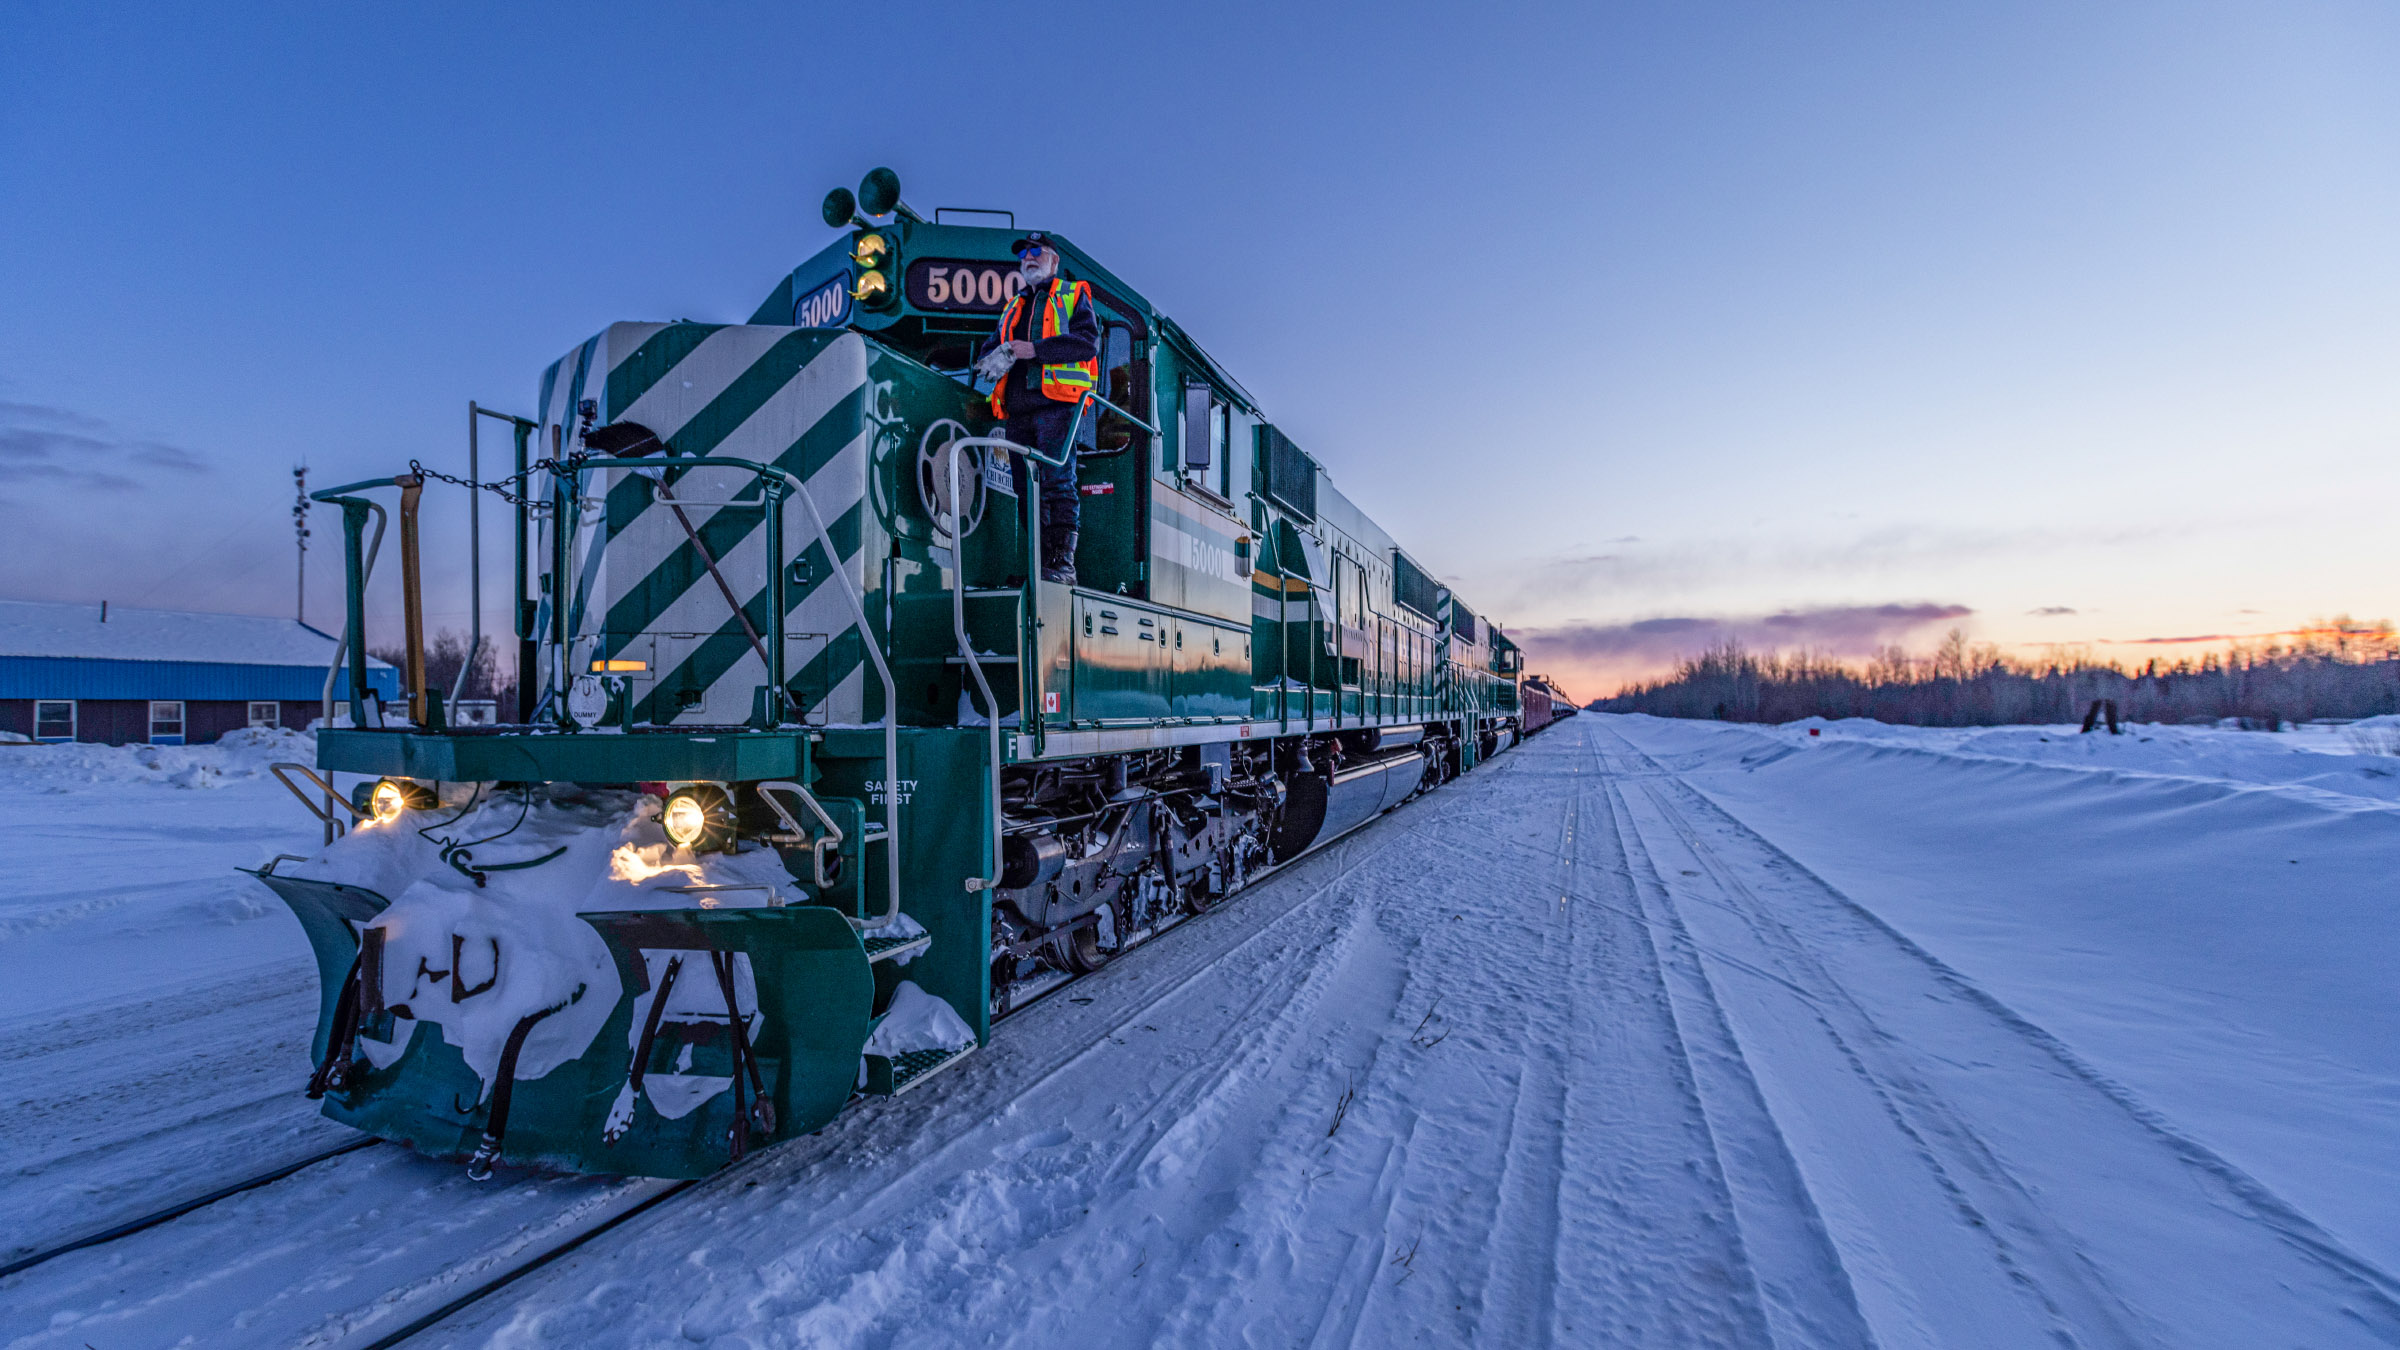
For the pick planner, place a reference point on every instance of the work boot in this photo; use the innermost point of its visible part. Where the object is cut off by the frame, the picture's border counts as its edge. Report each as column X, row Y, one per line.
column 1058, row 558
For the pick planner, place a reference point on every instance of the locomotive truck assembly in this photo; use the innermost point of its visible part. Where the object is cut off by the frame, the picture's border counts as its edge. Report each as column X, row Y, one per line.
column 816, row 774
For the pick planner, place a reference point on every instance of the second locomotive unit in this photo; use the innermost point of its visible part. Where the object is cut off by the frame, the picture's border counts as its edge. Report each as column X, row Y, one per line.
column 856, row 770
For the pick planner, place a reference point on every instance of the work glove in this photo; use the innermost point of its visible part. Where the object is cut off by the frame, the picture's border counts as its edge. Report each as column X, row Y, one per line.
column 995, row 363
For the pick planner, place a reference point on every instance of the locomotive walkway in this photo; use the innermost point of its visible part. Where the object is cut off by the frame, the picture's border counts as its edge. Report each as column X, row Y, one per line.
column 1564, row 1054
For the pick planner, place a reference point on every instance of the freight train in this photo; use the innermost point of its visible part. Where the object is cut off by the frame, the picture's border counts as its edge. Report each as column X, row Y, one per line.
column 816, row 776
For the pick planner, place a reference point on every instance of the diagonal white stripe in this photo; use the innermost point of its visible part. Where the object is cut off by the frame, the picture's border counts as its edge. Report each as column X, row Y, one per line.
column 782, row 419
column 698, row 379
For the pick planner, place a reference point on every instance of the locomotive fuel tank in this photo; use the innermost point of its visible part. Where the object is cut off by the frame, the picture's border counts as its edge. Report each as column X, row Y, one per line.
column 1323, row 806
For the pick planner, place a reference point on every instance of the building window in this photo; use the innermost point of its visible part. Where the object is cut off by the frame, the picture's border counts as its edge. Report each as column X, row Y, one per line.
column 54, row 720
column 166, row 722
column 266, row 714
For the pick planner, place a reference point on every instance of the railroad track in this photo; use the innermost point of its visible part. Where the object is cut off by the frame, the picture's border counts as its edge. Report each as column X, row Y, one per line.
column 1042, row 990
column 177, row 1211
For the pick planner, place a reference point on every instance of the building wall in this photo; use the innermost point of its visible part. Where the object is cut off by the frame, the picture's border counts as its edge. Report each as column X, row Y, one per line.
column 126, row 721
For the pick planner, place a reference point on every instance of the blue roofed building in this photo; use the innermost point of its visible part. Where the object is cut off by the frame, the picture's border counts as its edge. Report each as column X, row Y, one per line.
column 117, row 676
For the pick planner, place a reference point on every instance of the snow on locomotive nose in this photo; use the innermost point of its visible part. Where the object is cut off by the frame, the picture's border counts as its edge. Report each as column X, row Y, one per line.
column 484, row 953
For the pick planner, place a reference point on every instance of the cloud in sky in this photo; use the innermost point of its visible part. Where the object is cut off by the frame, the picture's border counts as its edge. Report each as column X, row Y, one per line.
column 2051, row 611
column 1598, row 657
column 67, row 449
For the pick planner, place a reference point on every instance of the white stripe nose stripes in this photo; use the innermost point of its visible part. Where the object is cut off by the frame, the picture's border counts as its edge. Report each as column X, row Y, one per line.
column 646, row 594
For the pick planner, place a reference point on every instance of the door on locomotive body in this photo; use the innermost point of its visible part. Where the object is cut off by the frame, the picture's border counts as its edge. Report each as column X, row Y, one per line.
column 1201, row 548
column 1308, row 623
column 1348, row 636
column 1112, row 554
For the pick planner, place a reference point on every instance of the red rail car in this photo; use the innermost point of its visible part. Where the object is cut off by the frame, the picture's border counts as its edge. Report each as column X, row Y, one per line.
column 1544, row 702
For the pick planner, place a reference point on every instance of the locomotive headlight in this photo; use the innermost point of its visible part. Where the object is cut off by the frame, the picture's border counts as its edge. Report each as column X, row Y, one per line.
column 699, row 818
column 391, row 796
column 872, row 250
column 685, row 822
column 873, row 288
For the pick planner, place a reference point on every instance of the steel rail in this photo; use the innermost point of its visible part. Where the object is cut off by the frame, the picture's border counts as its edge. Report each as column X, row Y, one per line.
column 172, row 1212
column 492, row 1286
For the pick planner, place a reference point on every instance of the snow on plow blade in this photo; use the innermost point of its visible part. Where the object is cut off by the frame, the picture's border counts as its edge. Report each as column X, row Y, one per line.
column 669, row 1086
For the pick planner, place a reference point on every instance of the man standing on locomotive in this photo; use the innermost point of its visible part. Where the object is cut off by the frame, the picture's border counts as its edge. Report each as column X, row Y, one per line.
column 1046, row 357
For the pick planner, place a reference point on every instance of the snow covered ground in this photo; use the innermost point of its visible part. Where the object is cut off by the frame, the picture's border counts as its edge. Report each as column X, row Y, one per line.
column 154, row 1003
column 1649, row 1033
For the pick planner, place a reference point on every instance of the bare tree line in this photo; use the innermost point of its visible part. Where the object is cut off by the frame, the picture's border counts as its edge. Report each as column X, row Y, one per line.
column 444, row 654
column 2339, row 668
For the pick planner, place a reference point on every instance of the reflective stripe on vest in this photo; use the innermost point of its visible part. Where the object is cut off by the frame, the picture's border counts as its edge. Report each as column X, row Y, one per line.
column 1067, row 381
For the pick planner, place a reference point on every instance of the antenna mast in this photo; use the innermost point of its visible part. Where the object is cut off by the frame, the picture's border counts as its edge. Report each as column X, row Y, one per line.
column 300, row 538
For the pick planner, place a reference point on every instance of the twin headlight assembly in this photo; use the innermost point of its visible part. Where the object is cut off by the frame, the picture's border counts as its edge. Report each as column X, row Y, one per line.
column 873, row 255
column 698, row 817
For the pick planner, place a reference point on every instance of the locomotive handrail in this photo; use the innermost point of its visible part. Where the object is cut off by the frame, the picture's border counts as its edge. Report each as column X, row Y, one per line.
column 354, row 609
column 966, row 651
column 773, row 484
column 829, row 842
column 524, row 428
column 1075, row 428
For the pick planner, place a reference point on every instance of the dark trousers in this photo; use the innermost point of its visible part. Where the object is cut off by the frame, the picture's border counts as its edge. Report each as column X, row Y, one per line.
column 1045, row 429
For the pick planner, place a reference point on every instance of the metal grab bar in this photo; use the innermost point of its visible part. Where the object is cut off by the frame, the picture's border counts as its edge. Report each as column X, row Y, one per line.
column 523, row 427
column 774, row 483
column 958, row 626
column 830, row 842
column 1075, row 428
column 283, row 772
column 357, row 573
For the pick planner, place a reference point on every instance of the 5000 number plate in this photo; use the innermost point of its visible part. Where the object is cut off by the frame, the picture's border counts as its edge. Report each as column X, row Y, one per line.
column 949, row 283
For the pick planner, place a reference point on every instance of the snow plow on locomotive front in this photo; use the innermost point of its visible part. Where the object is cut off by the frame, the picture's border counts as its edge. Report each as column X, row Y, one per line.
column 816, row 774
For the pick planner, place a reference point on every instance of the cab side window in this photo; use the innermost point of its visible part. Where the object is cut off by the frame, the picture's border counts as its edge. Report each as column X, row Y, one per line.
column 1220, row 451
column 1124, row 381
column 1206, row 453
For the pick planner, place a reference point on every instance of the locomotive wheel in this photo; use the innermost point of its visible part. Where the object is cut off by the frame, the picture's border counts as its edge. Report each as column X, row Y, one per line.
column 1081, row 950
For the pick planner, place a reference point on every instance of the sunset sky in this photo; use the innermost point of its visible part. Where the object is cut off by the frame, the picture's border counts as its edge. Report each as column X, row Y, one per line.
column 1828, row 325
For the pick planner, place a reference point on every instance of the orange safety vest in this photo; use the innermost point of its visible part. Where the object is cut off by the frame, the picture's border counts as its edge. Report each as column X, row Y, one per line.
column 1069, row 380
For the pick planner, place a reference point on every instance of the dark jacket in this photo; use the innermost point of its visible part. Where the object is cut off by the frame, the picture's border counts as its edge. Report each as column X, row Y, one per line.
column 1081, row 342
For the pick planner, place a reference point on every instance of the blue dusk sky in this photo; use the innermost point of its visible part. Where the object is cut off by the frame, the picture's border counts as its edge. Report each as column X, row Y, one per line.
column 1643, row 324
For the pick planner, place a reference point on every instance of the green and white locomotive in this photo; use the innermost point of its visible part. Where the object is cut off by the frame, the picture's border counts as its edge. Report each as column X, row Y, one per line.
column 816, row 776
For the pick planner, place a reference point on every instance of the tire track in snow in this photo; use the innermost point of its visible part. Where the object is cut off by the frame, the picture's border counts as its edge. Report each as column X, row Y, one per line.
column 1523, row 1276
column 119, row 1110
column 1805, row 1292
column 2100, row 1226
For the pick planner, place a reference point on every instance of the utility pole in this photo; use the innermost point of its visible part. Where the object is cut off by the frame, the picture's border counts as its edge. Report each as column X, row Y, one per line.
column 300, row 537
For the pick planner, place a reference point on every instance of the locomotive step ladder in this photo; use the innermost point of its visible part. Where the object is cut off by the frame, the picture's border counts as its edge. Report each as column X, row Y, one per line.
column 882, row 947
column 889, row 1076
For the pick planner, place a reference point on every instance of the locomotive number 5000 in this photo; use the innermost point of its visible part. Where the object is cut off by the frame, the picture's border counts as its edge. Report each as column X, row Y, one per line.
column 936, row 283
